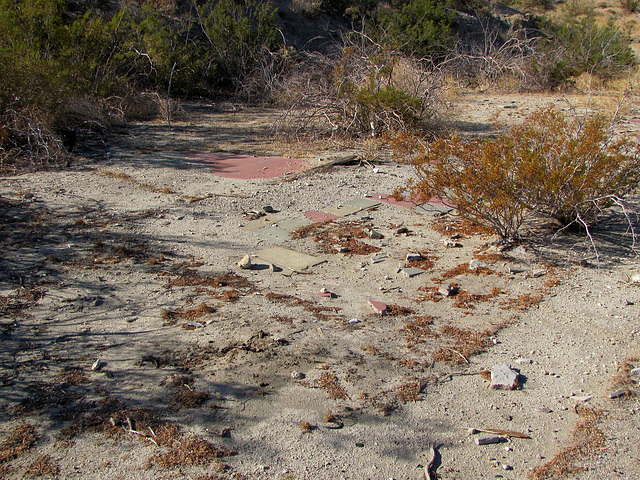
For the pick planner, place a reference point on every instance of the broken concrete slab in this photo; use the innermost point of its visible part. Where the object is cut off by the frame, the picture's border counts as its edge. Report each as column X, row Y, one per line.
column 342, row 210
column 433, row 209
column 411, row 271
column 503, row 377
column 290, row 259
column 262, row 222
column 408, row 203
column 363, row 203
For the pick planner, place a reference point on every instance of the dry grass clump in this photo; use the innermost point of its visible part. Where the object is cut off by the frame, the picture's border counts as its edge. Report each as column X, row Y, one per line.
column 462, row 344
column 587, row 440
column 190, row 451
column 464, row 299
column 317, row 311
column 191, row 314
column 44, row 396
column 12, row 306
column 418, row 330
column 126, row 177
column 394, row 310
column 187, row 397
column 188, row 277
column 43, row 466
column 339, row 237
column 19, row 441
column 307, row 427
column 73, row 376
column 522, row 302
column 329, row 382
column 623, row 378
column 464, row 269
column 462, row 228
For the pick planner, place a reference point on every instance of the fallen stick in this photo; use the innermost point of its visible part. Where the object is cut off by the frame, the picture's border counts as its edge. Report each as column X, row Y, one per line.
column 331, row 163
column 499, row 431
column 429, row 472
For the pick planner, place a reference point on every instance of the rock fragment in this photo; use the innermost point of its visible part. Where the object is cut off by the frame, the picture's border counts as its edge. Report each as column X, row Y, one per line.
column 378, row 307
column 489, row 439
column 503, row 377
column 245, row 263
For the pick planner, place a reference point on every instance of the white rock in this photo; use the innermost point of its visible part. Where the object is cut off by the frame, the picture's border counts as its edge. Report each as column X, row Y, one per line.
column 245, row 263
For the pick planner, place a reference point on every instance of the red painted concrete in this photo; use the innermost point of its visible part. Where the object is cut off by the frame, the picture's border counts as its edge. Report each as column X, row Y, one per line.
column 316, row 216
column 378, row 307
column 248, row 166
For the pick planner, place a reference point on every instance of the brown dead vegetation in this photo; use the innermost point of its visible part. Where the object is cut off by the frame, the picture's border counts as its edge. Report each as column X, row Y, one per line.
column 187, row 397
column 126, row 177
column 464, row 269
column 394, row 310
column 19, row 441
column 586, row 441
column 191, row 314
column 466, row 300
column 462, row 343
column 460, row 227
column 522, row 302
column 339, row 237
column 43, row 466
column 329, row 382
column 189, row 451
column 189, row 277
column 318, row 311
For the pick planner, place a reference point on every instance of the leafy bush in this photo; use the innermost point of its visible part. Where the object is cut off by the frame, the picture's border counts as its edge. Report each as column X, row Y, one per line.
column 563, row 169
column 579, row 45
column 421, row 28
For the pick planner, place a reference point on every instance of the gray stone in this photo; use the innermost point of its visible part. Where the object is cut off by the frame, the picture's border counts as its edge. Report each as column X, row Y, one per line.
column 489, row 439
column 448, row 243
column 475, row 264
column 447, row 290
column 504, row 377
column 621, row 392
column 378, row 257
column 635, row 371
column 413, row 257
column 402, row 230
column 375, row 235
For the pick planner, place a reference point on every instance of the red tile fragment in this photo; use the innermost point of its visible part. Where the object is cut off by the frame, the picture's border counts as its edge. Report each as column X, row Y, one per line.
column 379, row 307
column 316, row 216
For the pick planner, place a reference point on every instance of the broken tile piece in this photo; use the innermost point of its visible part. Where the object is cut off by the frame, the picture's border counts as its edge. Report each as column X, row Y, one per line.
column 316, row 216
column 378, row 307
column 378, row 257
column 261, row 222
column 503, row 377
column 489, row 439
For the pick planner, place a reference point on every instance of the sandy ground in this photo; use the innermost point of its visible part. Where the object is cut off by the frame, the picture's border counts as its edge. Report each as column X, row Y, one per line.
column 206, row 370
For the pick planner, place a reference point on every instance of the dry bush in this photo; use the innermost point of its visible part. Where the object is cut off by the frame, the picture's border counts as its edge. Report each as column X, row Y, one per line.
column 187, row 397
column 170, row 316
column 550, row 165
column 317, row 311
column 462, row 343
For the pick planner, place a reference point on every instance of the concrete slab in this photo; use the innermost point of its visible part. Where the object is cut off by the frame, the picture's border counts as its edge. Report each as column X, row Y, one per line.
column 261, row 222
column 274, row 234
column 412, row 271
column 316, row 216
column 342, row 210
column 363, row 203
column 248, row 166
column 290, row 259
column 290, row 224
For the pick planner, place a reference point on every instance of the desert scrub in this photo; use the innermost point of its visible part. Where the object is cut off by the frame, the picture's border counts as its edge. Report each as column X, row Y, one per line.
column 557, row 167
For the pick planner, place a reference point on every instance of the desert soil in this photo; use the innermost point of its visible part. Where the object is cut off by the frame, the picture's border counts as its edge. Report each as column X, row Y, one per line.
column 207, row 370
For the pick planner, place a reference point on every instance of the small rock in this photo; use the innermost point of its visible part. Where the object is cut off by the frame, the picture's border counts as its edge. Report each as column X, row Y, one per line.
column 448, row 243
column 447, row 290
column 635, row 278
column 504, row 377
column 268, row 209
column 375, row 235
column 514, row 271
column 378, row 257
column 520, row 250
column 621, row 392
column 475, row 264
column 538, row 273
column 583, row 398
column 402, row 230
column 524, row 361
column 353, row 321
column 413, row 257
column 297, row 375
column 635, row 371
column 378, row 307
column 472, row 431
column 489, row 439
column 544, row 410
column 27, row 196
column 97, row 365
column 245, row 263
column 507, row 467
column 341, row 249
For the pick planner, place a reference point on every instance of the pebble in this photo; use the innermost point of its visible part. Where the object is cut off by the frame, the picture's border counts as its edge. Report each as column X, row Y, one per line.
column 353, row 321
column 621, row 392
column 489, row 439
column 475, row 264
column 413, row 257
column 503, row 377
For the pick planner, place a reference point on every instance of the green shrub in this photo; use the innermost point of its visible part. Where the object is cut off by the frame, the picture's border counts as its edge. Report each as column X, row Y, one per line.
column 421, row 28
column 563, row 169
